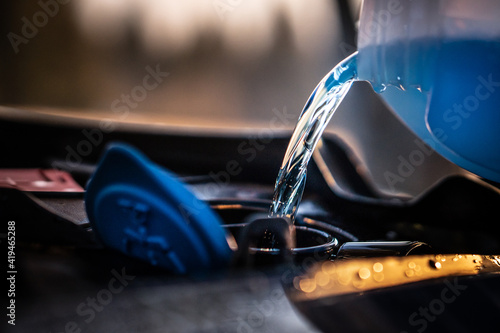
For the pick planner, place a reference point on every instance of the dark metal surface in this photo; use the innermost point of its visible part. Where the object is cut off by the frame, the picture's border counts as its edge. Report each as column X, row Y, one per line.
column 62, row 267
column 431, row 293
column 65, row 288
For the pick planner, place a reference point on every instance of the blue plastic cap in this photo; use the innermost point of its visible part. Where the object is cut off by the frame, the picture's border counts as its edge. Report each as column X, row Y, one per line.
column 142, row 210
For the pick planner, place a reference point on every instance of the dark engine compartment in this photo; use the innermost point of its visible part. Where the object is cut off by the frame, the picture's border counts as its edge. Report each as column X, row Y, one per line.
column 68, row 282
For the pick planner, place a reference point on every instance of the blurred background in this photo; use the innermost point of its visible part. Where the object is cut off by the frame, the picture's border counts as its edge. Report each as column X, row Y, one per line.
column 226, row 59
column 201, row 63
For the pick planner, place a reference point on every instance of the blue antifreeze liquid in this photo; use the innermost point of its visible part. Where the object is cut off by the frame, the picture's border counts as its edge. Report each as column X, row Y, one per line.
column 448, row 94
column 464, row 107
column 316, row 114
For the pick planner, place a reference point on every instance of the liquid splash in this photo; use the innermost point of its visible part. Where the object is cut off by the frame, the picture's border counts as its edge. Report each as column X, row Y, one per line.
column 315, row 115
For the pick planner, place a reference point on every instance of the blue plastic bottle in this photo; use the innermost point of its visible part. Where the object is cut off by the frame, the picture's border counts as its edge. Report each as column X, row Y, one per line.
column 436, row 63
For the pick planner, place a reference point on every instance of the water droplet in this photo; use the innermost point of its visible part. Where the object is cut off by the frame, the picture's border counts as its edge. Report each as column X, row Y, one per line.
column 296, row 282
column 358, row 284
column 364, row 273
column 379, row 277
column 409, row 272
column 412, row 265
column 322, row 279
column 379, row 88
column 307, row 285
column 435, row 264
column 378, row 267
column 344, row 279
column 328, row 267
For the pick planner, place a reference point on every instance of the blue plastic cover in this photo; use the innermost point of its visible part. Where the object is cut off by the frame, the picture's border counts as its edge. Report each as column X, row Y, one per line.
column 142, row 210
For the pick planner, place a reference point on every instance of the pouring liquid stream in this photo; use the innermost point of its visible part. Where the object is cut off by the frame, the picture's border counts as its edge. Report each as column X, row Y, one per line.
column 315, row 116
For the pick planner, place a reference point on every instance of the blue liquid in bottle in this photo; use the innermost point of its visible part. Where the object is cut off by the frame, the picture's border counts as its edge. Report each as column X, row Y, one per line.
column 465, row 100
column 451, row 100
column 447, row 92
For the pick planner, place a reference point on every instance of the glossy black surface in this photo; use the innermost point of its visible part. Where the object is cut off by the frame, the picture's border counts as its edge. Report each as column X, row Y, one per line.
column 62, row 265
